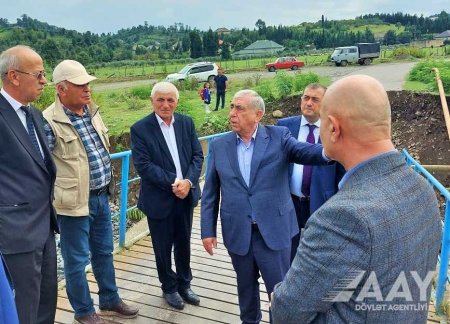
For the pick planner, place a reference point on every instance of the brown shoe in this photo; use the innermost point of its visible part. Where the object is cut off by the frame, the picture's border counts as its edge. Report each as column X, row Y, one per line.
column 89, row 319
column 120, row 310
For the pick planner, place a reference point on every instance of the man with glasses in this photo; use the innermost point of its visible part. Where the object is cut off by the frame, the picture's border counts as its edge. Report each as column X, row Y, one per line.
column 310, row 186
column 79, row 142
column 27, row 175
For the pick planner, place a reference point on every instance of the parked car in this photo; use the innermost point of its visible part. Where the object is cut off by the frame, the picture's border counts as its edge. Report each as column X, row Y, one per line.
column 202, row 71
column 285, row 62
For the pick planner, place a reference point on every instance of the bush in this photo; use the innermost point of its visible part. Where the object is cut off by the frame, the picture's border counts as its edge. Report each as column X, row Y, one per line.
column 141, row 92
column 302, row 80
column 188, row 84
column 422, row 72
column 133, row 103
column 266, row 91
column 284, row 84
column 214, row 124
column 406, row 52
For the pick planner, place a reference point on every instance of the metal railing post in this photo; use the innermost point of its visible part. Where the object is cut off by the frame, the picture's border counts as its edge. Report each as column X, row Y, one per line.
column 445, row 243
column 123, row 199
column 443, row 267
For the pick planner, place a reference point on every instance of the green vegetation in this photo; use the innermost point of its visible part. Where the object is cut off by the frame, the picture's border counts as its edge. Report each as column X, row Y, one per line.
column 422, row 72
column 121, row 108
column 178, row 43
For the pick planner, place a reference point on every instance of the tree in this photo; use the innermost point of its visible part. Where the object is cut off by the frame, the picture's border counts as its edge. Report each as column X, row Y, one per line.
column 390, row 38
column 196, row 44
column 404, row 37
column 261, row 25
column 210, row 43
column 225, row 55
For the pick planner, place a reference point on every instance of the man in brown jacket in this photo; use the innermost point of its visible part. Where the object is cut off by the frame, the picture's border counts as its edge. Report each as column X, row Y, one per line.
column 79, row 143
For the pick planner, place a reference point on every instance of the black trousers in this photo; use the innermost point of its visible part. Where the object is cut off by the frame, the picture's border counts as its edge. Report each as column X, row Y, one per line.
column 34, row 277
column 220, row 96
column 302, row 212
column 173, row 231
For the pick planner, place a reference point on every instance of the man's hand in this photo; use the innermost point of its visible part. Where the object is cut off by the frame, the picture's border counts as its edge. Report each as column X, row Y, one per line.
column 209, row 244
column 181, row 188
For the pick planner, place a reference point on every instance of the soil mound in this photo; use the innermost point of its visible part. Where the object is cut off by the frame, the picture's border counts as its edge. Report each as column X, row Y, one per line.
column 417, row 125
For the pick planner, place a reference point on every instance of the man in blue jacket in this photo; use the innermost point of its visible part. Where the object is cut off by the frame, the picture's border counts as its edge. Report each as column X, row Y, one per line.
column 369, row 253
column 310, row 186
column 8, row 312
column 247, row 181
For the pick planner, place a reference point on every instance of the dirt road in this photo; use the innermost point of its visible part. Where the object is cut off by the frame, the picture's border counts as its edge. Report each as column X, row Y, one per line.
column 391, row 75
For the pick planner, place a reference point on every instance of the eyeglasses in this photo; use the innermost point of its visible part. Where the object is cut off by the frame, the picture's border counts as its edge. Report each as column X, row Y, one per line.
column 38, row 75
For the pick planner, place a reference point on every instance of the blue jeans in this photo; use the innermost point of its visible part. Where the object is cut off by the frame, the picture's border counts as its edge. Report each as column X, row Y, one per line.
column 79, row 236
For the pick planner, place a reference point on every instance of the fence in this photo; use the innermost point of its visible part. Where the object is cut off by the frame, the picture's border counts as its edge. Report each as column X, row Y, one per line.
column 445, row 245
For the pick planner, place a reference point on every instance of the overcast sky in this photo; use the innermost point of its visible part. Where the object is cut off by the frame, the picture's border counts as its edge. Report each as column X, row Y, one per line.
column 103, row 16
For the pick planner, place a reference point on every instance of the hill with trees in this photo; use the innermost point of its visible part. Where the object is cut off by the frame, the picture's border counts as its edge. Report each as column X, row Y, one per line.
column 178, row 41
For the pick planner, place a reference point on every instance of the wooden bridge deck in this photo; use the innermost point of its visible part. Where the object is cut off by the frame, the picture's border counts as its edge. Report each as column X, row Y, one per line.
column 214, row 281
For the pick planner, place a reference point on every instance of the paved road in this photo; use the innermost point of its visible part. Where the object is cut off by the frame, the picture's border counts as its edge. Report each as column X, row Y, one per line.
column 391, row 75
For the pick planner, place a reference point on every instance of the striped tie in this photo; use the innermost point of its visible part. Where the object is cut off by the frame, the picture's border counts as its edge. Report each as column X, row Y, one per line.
column 30, row 128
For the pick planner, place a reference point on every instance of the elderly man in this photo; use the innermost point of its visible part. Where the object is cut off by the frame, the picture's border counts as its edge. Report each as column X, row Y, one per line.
column 168, row 157
column 248, row 176
column 27, row 174
column 368, row 254
column 79, row 142
column 310, row 186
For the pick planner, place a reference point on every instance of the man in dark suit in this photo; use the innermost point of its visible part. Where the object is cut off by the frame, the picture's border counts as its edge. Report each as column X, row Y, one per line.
column 168, row 157
column 27, row 218
column 248, row 177
column 369, row 253
column 310, row 186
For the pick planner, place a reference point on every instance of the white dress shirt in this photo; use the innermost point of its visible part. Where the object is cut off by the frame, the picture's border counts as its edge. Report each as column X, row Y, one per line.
column 20, row 113
column 169, row 136
column 297, row 171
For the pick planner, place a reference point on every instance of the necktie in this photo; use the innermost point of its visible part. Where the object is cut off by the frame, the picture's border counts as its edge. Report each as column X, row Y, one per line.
column 30, row 128
column 307, row 169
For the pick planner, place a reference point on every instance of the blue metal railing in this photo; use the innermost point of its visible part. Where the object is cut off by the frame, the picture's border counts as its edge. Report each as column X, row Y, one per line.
column 445, row 246
column 125, row 181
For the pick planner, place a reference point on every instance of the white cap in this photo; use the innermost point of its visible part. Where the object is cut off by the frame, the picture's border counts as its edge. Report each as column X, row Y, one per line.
column 72, row 71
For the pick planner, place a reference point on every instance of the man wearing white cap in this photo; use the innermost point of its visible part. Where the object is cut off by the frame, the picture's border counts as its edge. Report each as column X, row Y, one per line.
column 79, row 143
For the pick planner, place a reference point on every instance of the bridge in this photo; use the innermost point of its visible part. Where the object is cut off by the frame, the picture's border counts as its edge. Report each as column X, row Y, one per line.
column 213, row 276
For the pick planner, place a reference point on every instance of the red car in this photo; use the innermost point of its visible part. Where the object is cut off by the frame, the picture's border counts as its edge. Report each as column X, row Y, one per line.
column 286, row 62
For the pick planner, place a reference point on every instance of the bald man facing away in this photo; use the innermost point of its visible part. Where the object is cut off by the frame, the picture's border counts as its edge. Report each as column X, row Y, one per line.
column 369, row 253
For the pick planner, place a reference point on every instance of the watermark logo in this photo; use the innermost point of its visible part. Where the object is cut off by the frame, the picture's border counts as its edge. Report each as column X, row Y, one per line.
column 400, row 290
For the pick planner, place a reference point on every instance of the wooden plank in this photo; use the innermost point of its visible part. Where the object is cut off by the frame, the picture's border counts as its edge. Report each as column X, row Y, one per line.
column 195, row 266
column 147, row 303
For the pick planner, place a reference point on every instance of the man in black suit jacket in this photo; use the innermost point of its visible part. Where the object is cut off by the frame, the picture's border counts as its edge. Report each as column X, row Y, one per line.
column 27, row 218
column 309, row 195
column 168, row 157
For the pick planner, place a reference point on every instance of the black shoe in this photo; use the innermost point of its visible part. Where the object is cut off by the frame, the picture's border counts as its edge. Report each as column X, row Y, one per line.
column 215, row 109
column 174, row 300
column 189, row 296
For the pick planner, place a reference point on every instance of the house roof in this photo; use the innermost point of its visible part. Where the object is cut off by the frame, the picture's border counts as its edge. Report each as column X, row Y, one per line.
column 260, row 47
column 444, row 34
column 264, row 44
column 222, row 30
